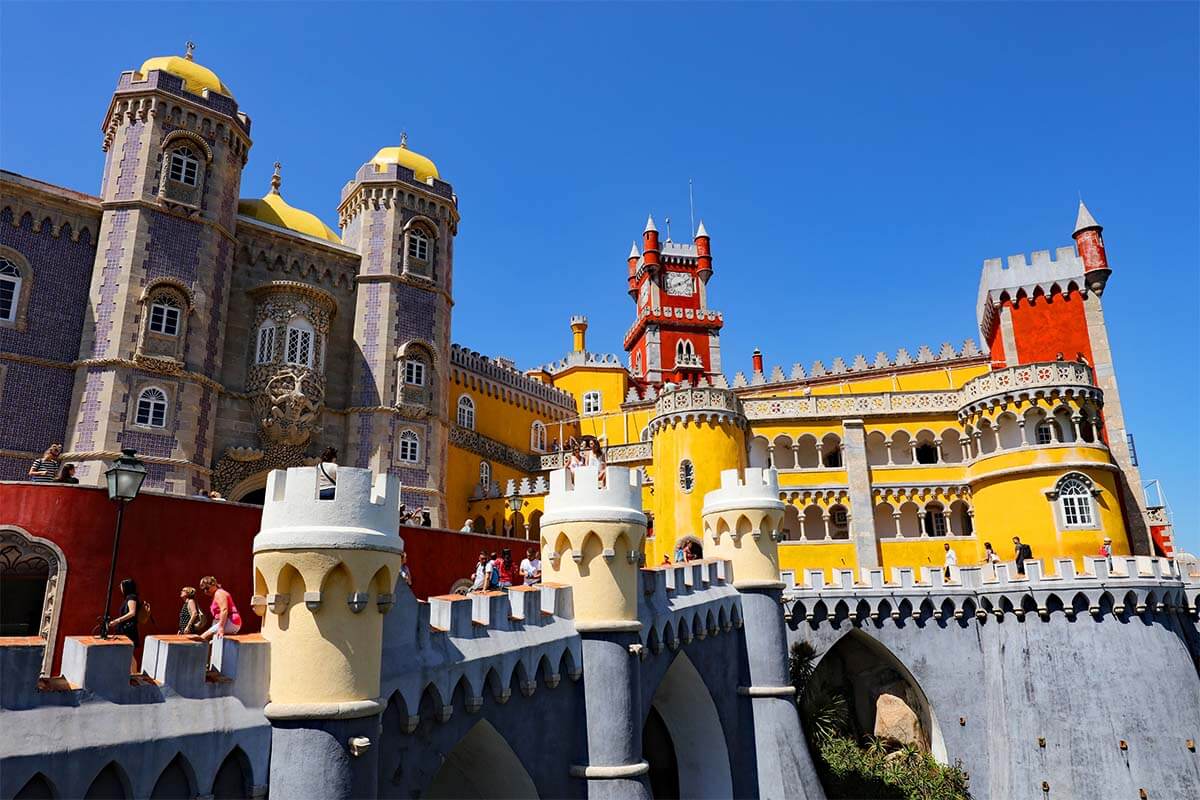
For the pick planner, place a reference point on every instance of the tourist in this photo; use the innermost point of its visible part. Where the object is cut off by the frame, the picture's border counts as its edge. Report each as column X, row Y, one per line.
column 666, row 562
column 426, row 519
column 191, row 618
column 68, row 474
column 680, row 554
column 493, row 572
column 45, row 469
column 951, row 560
column 531, row 567
column 327, row 474
column 596, row 459
column 215, row 495
column 479, row 581
column 468, row 527
column 989, row 555
column 1106, row 550
column 1021, row 554
column 127, row 623
column 506, row 569
column 405, row 572
column 574, row 460
column 226, row 619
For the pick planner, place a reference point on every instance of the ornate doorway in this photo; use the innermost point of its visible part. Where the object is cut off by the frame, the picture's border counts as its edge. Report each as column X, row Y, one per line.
column 32, row 574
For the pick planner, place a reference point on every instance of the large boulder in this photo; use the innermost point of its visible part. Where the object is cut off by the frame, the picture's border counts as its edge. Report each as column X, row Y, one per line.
column 895, row 720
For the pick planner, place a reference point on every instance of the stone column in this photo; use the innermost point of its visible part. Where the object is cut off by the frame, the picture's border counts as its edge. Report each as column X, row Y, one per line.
column 858, row 475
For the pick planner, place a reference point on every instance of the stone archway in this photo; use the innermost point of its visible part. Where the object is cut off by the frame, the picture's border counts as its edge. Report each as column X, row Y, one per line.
column 882, row 695
column 694, row 740
column 482, row 766
column 33, row 573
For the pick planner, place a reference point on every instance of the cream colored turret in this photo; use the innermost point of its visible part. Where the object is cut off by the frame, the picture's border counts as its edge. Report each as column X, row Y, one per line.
column 741, row 524
column 324, row 573
column 591, row 541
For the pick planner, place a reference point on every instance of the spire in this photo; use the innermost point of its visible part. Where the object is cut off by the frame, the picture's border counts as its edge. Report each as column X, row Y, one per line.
column 276, row 180
column 633, row 251
column 650, row 225
column 404, row 139
column 701, row 231
column 1084, row 220
column 189, row 51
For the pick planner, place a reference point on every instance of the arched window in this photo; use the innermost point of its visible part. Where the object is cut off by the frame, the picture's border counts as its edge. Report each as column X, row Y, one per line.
column 935, row 520
column 152, row 408
column 537, row 437
column 1074, row 493
column 687, row 475
column 591, row 402
column 414, row 372
column 926, row 453
column 164, row 315
column 485, row 475
column 418, row 245
column 645, row 435
column 466, row 413
column 410, row 447
column 637, row 363
column 10, row 290
column 300, row 340
column 1045, row 433
column 184, row 167
column 265, row 353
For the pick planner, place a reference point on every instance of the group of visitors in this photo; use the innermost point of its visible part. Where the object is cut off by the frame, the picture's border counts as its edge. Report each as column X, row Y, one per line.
column 50, row 469
column 495, row 571
column 685, row 550
column 1021, row 553
column 590, row 454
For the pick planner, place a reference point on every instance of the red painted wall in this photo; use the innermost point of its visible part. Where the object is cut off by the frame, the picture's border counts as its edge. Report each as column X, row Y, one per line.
column 1048, row 326
column 168, row 542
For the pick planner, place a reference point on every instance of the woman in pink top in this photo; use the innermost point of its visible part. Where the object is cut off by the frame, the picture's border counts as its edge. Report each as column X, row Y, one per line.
column 226, row 618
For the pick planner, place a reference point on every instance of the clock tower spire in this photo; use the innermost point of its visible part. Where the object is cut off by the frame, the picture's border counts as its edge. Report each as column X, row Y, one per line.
column 676, row 335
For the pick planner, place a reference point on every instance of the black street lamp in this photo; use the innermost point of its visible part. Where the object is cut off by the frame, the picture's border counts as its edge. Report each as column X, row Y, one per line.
column 125, row 478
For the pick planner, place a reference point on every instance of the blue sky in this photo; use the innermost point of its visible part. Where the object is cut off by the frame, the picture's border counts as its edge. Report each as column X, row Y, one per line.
column 854, row 163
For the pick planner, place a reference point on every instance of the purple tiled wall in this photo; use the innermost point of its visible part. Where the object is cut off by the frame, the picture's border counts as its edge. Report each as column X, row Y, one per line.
column 34, row 405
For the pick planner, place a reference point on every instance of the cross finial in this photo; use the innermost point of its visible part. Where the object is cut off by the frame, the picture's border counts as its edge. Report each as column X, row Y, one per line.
column 276, row 180
column 189, row 50
column 404, row 139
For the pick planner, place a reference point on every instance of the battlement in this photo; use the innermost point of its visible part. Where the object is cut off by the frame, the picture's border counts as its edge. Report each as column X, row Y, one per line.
column 1020, row 275
column 1134, row 584
column 363, row 514
column 753, row 487
column 581, row 496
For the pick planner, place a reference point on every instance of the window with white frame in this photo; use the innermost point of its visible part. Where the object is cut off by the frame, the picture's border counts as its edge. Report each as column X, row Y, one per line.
column 410, row 447
column 466, row 412
column 1074, row 493
column 300, row 340
column 151, row 408
column 687, row 475
column 265, row 352
column 164, row 316
column 10, row 290
column 537, row 437
column 418, row 245
column 591, row 402
column 184, row 167
column 485, row 475
column 414, row 372
column 1044, row 433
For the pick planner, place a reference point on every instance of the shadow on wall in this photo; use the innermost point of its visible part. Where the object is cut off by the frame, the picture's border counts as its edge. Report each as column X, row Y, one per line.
column 481, row 767
column 883, row 698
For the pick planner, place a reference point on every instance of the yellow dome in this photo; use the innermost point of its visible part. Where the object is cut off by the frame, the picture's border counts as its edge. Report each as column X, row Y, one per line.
column 422, row 167
column 196, row 78
column 274, row 210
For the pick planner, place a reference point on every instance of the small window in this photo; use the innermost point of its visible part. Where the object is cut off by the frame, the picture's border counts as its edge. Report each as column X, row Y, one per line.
column 418, row 245
column 300, row 343
column 485, row 475
column 1075, row 499
column 184, row 167
column 935, row 521
column 466, row 412
column 537, row 437
column 591, row 402
column 1044, row 433
column 266, row 343
column 687, row 475
column 410, row 447
column 164, row 316
column 10, row 290
column 414, row 372
column 152, row 408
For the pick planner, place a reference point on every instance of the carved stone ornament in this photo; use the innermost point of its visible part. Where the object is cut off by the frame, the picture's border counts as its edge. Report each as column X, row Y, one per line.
column 289, row 406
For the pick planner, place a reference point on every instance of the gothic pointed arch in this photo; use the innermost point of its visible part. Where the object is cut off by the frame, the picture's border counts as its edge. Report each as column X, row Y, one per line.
column 482, row 765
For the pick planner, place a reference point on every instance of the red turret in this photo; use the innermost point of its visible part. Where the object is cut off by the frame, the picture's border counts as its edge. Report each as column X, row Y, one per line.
column 650, row 246
column 633, row 266
column 703, row 254
column 757, row 357
column 1088, row 239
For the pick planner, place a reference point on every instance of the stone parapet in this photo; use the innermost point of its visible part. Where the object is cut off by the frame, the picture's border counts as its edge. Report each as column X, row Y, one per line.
column 363, row 514
column 580, row 495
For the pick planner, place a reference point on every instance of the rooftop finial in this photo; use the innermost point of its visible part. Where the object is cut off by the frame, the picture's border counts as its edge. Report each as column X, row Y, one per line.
column 276, row 180
column 668, row 219
column 404, row 139
column 189, row 50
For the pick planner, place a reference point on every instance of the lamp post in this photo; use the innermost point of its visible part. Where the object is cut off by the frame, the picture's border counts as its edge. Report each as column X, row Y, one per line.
column 124, row 478
column 515, row 504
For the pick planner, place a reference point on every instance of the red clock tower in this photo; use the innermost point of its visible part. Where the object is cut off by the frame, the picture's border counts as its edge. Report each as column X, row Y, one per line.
column 676, row 336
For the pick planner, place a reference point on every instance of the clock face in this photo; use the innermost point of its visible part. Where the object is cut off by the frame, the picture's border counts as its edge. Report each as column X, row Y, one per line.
column 679, row 284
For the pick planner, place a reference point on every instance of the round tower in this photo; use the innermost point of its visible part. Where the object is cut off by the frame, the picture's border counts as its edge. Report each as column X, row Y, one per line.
column 1088, row 239
column 324, row 573
column 579, row 327
column 741, row 520
column 695, row 434
column 592, row 533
